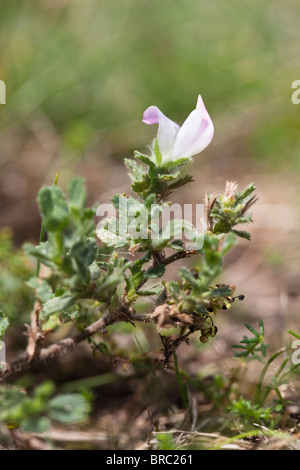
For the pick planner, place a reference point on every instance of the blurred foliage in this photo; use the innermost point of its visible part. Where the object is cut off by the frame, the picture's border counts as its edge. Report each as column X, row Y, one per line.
column 248, row 413
column 32, row 413
column 91, row 68
column 16, row 297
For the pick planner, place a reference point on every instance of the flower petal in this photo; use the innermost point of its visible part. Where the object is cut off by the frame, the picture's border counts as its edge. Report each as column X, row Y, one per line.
column 200, row 105
column 167, row 129
column 195, row 134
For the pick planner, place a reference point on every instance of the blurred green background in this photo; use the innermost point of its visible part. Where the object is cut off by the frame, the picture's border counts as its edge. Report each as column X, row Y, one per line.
column 84, row 71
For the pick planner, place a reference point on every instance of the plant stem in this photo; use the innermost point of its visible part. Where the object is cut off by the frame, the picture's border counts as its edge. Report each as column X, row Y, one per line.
column 258, row 396
column 279, row 396
column 294, row 334
column 21, row 365
column 177, row 256
column 181, row 387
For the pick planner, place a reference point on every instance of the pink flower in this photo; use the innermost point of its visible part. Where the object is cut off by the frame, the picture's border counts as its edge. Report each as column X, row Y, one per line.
column 177, row 142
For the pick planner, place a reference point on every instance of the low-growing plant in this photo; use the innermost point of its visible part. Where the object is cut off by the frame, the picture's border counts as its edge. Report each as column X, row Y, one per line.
column 94, row 285
column 254, row 348
column 94, row 274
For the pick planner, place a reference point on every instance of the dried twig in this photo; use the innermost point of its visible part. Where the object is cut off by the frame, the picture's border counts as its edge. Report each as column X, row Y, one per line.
column 208, row 206
column 124, row 314
column 34, row 333
column 24, row 363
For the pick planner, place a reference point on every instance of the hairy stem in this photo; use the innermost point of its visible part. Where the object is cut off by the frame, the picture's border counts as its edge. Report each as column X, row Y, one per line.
column 24, row 363
column 178, row 255
column 181, row 385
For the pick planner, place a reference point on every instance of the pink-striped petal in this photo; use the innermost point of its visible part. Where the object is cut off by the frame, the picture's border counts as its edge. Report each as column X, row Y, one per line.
column 195, row 134
column 200, row 105
column 167, row 129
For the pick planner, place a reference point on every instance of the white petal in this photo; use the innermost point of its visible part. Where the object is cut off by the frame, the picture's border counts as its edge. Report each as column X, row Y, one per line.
column 167, row 129
column 200, row 105
column 195, row 134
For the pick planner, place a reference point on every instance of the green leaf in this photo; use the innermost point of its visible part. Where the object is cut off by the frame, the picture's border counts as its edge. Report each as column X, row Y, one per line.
column 157, row 271
column 44, row 390
column 41, row 288
column 53, row 208
column 113, row 278
column 220, row 292
column 35, row 424
column 155, row 290
column 135, row 167
column 169, row 176
column 84, row 252
column 53, row 321
column 94, row 271
column 122, row 202
column 240, row 196
column 242, row 234
column 188, row 276
column 181, row 182
column 263, row 349
column 89, row 213
column 136, row 267
column 41, row 252
column 257, row 358
column 131, row 286
column 177, row 163
column 58, row 304
column 140, row 186
column 249, row 340
column 110, row 234
column 261, row 327
column 145, row 159
column 77, row 193
column 149, row 201
column 157, row 153
column 3, row 324
column 229, row 242
column 174, row 289
column 241, row 354
column 69, row 408
column 172, row 229
column 250, row 328
column 177, row 245
column 140, row 179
